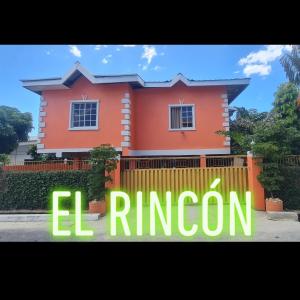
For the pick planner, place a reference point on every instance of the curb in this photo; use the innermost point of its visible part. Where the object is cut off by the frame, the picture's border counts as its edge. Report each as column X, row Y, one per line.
column 40, row 217
column 276, row 215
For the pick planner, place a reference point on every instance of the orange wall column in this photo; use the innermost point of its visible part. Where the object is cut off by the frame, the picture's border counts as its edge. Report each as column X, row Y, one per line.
column 202, row 161
column 255, row 187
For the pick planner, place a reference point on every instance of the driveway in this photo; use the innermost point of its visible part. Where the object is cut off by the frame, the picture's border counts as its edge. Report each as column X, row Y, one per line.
column 266, row 230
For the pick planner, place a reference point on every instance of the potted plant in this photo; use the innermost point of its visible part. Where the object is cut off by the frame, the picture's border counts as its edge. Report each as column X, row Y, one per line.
column 271, row 180
column 104, row 160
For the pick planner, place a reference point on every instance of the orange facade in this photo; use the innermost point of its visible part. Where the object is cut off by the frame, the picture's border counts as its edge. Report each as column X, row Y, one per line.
column 149, row 118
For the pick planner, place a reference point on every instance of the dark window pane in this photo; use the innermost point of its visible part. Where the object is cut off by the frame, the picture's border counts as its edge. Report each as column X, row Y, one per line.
column 81, row 123
column 87, row 123
column 88, row 105
column 87, row 117
column 93, row 123
column 93, row 117
column 76, row 124
column 76, row 106
column 93, row 111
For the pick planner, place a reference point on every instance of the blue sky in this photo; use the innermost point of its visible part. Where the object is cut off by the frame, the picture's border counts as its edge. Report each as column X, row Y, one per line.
column 151, row 62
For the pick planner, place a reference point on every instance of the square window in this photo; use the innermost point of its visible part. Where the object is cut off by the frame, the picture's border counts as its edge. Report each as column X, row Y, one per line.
column 181, row 116
column 83, row 114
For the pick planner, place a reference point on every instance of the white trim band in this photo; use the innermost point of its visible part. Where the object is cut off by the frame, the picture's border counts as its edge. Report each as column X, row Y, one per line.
column 179, row 152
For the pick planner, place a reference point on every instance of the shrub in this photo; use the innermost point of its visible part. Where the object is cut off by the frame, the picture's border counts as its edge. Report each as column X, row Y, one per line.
column 104, row 160
column 290, row 189
column 32, row 190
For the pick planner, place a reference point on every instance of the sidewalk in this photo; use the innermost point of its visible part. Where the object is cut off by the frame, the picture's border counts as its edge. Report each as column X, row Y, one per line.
column 266, row 230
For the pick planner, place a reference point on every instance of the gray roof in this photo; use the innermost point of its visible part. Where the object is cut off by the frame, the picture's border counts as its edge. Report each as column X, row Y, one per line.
column 234, row 86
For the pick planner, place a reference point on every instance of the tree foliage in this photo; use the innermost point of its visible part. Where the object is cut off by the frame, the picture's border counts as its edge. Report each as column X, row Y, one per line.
column 14, row 128
column 104, row 160
column 291, row 64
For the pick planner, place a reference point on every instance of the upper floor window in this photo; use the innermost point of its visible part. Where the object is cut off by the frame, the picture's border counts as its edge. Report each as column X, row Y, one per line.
column 182, row 117
column 84, row 115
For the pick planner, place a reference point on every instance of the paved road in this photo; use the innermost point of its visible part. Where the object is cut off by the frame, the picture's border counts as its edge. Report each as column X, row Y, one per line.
column 266, row 230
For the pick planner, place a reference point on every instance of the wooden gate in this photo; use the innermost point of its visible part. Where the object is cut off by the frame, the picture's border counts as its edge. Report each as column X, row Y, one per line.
column 178, row 180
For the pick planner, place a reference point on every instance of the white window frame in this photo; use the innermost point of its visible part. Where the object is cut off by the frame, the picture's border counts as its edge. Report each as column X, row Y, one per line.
column 84, row 127
column 183, row 128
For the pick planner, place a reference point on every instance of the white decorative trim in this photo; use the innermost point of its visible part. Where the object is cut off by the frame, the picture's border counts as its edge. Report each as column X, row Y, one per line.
column 126, row 127
column 179, row 152
column 125, row 144
column 227, row 143
column 40, row 146
column 125, row 132
column 226, row 124
column 42, row 124
column 226, row 110
column 41, row 108
column 127, row 105
column 41, row 119
column 127, row 138
column 225, row 105
column 126, row 95
column 125, row 122
column 227, row 138
column 127, row 116
column 125, row 101
column 225, row 101
column 227, row 128
column 226, row 114
column 43, row 103
column 224, row 96
column 43, row 114
column 226, row 119
column 125, row 111
column 41, row 135
column 40, row 129
column 70, row 150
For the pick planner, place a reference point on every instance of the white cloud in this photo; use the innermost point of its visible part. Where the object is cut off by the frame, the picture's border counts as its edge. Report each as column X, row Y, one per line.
column 106, row 59
column 48, row 52
column 128, row 46
column 260, row 62
column 118, row 49
column 145, row 67
column 98, row 47
column 162, row 53
column 260, row 69
column 157, row 68
column 149, row 53
column 75, row 51
column 236, row 72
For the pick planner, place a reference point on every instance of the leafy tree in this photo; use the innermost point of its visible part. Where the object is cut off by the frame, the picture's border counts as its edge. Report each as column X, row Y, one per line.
column 104, row 160
column 14, row 128
column 242, row 125
column 285, row 103
column 291, row 64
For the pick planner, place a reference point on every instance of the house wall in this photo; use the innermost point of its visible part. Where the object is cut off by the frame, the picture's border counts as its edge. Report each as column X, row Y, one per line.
column 152, row 118
column 149, row 118
column 57, row 133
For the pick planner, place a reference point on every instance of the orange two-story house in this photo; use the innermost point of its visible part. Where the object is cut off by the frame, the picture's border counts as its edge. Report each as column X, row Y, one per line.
column 179, row 117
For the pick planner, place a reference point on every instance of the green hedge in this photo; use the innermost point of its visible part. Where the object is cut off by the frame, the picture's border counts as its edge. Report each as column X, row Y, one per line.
column 290, row 189
column 32, row 190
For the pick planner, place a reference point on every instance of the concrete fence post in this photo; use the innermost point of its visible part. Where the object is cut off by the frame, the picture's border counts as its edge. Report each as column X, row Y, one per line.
column 255, row 187
column 202, row 161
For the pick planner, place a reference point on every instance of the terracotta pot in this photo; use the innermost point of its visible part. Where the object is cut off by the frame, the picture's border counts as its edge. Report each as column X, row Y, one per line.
column 274, row 204
column 97, row 207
